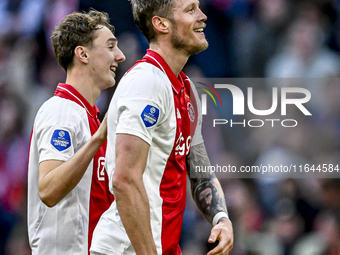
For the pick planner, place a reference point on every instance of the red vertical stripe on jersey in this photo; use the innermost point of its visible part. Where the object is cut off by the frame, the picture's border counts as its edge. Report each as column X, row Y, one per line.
column 174, row 180
column 100, row 197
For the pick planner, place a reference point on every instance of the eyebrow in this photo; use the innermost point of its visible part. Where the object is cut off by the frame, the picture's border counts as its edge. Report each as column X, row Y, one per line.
column 193, row 3
column 112, row 40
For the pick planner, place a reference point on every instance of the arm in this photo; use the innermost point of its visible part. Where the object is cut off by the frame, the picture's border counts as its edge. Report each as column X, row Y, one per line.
column 209, row 198
column 58, row 178
column 128, row 188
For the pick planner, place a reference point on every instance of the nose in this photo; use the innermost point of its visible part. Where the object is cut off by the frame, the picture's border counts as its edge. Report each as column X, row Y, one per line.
column 202, row 16
column 119, row 55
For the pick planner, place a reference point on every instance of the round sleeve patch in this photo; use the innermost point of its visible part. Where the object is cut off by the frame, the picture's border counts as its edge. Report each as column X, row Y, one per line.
column 150, row 115
column 61, row 139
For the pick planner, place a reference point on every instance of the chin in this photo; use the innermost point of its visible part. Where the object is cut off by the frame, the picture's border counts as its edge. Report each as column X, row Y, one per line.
column 198, row 49
column 205, row 44
column 110, row 85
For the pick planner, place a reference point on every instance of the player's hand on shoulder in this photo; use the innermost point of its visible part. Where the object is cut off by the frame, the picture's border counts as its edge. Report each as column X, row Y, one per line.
column 223, row 232
column 102, row 130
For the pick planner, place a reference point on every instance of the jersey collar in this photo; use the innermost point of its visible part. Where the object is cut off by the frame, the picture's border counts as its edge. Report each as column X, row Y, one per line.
column 68, row 92
column 154, row 58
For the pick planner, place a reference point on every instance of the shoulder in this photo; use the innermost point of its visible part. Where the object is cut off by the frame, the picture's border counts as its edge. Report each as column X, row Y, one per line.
column 61, row 111
column 145, row 73
column 194, row 93
column 193, row 87
column 144, row 81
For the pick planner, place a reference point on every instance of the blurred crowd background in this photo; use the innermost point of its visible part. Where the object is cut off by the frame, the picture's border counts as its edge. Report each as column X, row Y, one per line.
column 248, row 39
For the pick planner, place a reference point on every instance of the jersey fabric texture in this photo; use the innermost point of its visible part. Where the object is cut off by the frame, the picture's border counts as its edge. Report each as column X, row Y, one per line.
column 62, row 126
column 152, row 103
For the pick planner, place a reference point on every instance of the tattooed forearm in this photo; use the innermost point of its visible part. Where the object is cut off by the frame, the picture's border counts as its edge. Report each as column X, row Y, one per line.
column 198, row 156
column 205, row 187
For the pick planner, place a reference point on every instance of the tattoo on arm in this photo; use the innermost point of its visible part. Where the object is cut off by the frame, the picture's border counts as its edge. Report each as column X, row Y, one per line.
column 205, row 187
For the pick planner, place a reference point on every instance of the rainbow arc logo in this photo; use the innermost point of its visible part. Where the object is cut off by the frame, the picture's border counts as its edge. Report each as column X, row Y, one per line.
column 204, row 96
column 209, row 93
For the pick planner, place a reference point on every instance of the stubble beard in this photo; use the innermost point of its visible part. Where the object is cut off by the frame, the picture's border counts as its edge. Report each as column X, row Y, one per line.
column 179, row 43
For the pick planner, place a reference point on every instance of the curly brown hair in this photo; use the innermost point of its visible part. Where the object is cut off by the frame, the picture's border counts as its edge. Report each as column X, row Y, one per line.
column 144, row 10
column 77, row 29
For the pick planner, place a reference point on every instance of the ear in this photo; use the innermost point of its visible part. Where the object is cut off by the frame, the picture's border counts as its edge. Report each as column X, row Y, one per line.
column 81, row 53
column 161, row 24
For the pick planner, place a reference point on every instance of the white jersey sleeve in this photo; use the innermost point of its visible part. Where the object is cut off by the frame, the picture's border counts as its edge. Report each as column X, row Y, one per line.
column 197, row 138
column 142, row 108
column 58, row 135
column 60, row 129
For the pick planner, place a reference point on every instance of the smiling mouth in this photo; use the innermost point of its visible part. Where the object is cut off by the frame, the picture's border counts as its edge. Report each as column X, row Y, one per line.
column 113, row 70
column 198, row 30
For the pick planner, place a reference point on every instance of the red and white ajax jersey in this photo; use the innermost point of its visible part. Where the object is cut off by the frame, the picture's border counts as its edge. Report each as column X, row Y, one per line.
column 152, row 103
column 62, row 126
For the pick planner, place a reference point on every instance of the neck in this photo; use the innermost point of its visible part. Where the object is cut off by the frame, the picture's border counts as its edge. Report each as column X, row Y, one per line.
column 174, row 58
column 83, row 84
